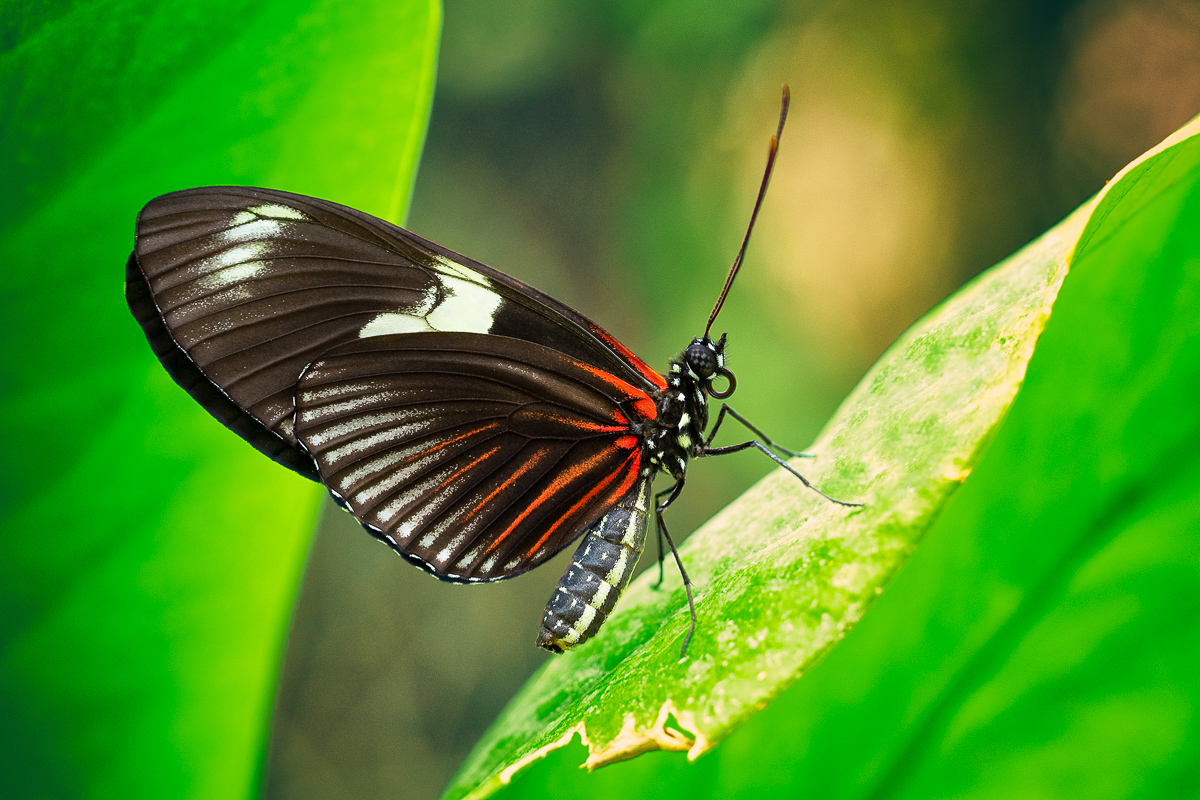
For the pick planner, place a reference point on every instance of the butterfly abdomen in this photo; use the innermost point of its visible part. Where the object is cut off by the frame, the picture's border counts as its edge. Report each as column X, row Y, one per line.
column 589, row 589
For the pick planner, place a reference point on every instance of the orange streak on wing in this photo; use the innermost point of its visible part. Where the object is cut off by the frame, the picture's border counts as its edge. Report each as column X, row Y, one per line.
column 626, row 442
column 446, row 483
column 645, row 407
column 560, row 482
column 442, row 445
column 591, row 427
column 641, row 401
column 625, row 389
column 524, row 468
column 633, row 360
column 630, row 474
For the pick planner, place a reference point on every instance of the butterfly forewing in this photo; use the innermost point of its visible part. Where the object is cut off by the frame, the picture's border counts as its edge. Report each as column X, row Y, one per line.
column 479, row 456
column 243, row 288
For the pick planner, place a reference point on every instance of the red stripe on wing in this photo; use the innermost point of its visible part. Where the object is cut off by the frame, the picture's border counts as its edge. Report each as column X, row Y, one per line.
column 642, row 404
column 630, row 474
column 517, row 474
column 635, row 362
column 561, row 481
column 470, row 465
column 548, row 420
column 645, row 408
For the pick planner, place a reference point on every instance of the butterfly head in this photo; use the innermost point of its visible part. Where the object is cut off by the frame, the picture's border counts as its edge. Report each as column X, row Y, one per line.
column 706, row 361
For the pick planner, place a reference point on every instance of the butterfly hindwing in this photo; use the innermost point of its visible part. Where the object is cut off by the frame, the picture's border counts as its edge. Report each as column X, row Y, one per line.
column 239, row 289
column 478, row 456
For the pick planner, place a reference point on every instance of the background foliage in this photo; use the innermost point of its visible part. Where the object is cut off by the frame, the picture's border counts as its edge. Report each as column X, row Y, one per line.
column 149, row 560
column 607, row 152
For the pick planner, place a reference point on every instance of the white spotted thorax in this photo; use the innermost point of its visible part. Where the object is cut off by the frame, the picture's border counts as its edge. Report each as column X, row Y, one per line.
column 610, row 548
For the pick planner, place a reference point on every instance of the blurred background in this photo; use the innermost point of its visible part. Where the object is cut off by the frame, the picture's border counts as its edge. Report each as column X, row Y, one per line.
column 609, row 153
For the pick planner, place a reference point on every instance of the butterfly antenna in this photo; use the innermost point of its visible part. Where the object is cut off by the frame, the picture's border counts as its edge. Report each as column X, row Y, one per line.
column 762, row 190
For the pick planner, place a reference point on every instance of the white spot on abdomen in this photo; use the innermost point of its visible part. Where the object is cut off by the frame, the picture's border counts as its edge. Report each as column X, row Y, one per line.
column 603, row 590
column 585, row 619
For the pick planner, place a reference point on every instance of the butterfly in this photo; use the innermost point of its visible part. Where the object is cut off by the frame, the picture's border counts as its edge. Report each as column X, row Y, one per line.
column 471, row 422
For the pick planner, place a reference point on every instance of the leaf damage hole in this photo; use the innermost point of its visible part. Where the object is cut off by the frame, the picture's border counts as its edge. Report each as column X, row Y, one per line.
column 673, row 724
column 670, row 731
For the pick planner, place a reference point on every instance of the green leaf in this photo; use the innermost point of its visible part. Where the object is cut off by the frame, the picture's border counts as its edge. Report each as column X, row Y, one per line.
column 150, row 558
column 1038, row 637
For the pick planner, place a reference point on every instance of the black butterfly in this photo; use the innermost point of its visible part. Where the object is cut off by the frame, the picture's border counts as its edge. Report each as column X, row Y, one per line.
column 470, row 421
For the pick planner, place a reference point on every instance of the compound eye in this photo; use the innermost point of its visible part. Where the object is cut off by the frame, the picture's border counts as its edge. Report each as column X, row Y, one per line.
column 701, row 359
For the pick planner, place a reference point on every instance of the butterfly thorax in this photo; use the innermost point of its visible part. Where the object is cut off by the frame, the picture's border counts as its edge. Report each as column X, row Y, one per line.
column 677, row 433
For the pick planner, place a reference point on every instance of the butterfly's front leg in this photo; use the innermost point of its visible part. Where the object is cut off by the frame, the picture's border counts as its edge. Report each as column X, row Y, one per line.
column 727, row 409
column 762, row 448
column 589, row 589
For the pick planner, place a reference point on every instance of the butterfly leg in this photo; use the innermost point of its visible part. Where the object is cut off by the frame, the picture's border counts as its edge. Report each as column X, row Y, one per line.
column 734, row 448
column 658, row 535
column 726, row 409
column 687, row 582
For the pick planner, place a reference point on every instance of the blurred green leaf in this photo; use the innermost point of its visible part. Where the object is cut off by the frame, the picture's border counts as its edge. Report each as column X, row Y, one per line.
column 150, row 558
column 1040, row 644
